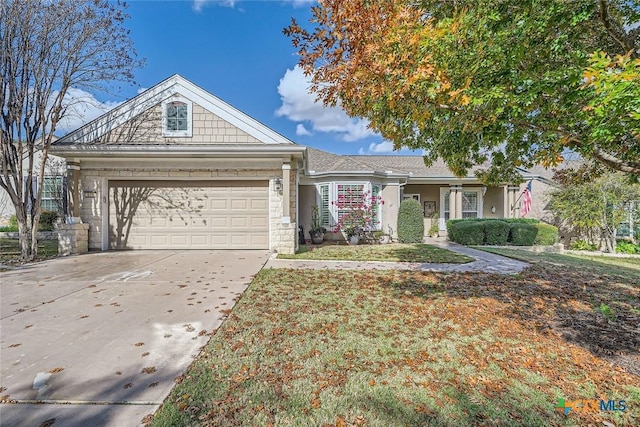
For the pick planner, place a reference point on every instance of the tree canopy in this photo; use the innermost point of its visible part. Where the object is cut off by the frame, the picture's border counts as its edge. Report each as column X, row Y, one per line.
column 516, row 82
column 46, row 48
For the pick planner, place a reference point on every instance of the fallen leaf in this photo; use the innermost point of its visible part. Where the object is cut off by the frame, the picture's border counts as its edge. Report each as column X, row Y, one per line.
column 139, row 344
column 149, row 370
column 55, row 370
column 128, row 385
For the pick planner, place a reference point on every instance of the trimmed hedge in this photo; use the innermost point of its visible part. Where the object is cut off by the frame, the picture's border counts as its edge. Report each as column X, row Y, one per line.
column 47, row 220
column 410, row 222
column 470, row 233
column 547, row 234
column 496, row 232
column 523, row 234
column 514, row 231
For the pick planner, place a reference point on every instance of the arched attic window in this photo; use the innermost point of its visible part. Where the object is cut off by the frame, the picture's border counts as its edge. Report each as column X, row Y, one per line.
column 176, row 117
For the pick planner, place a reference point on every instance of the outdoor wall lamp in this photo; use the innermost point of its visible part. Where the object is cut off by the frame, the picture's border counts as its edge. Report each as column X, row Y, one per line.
column 493, row 209
column 484, row 191
column 277, row 184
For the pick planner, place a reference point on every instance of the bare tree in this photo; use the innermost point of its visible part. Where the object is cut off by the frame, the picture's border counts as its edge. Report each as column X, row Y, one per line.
column 46, row 48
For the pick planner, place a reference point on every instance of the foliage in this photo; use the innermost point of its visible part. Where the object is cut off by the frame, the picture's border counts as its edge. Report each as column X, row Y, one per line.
column 624, row 247
column 517, row 83
column 547, row 234
column 316, row 222
column 496, row 232
column 410, row 222
column 10, row 250
column 48, row 48
column 582, row 245
column 387, row 348
column 523, row 234
column 360, row 212
column 48, row 220
column 469, row 233
column 13, row 221
column 397, row 252
column 597, row 206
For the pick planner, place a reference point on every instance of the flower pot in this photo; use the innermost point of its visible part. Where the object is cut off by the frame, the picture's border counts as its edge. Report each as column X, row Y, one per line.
column 316, row 237
column 354, row 240
column 384, row 239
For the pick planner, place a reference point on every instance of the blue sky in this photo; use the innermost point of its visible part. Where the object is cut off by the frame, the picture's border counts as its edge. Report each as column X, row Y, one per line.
column 237, row 51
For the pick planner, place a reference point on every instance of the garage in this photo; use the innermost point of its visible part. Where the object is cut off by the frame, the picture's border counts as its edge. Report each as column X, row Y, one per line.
column 188, row 215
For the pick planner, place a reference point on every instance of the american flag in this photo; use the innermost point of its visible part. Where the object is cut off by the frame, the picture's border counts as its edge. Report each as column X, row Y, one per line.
column 526, row 200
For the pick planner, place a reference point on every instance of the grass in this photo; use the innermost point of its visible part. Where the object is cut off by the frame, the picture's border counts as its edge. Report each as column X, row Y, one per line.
column 10, row 250
column 392, row 348
column 396, row 252
column 600, row 265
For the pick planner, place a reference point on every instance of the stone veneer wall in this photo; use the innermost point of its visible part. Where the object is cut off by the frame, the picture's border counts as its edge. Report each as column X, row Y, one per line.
column 73, row 238
column 282, row 236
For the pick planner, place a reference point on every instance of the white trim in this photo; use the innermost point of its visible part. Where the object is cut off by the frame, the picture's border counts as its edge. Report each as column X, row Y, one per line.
column 188, row 133
column 104, row 212
column 162, row 91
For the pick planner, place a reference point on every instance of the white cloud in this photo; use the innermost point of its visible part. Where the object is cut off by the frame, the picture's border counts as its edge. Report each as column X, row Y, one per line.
column 82, row 107
column 302, row 131
column 198, row 5
column 301, row 106
column 382, row 147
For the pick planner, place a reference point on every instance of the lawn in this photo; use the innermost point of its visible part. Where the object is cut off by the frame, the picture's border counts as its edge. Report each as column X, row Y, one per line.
column 392, row 348
column 396, row 252
column 602, row 265
column 10, row 250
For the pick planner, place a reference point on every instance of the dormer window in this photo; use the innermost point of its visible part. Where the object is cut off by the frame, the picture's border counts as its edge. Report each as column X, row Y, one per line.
column 176, row 117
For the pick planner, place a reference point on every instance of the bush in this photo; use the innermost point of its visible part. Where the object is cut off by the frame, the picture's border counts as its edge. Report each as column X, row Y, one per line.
column 523, row 234
column 13, row 221
column 410, row 222
column 547, row 234
column 496, row 232
column 47, row 220
column 582, row 245
column 469, row 232
column 624, row 247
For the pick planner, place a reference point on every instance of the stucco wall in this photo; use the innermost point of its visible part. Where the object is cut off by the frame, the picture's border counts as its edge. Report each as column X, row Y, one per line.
column 92, row 176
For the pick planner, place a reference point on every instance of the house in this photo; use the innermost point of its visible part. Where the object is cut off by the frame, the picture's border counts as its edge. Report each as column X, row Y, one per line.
column 53, row 192
column 176, row 167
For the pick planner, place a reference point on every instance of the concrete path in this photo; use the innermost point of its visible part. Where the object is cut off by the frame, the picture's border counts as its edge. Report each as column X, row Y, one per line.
column 484, row 262
column 100, row 338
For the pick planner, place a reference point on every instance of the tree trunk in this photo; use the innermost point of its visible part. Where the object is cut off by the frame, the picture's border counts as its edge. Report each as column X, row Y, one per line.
column 26, row 240
column 610, row 239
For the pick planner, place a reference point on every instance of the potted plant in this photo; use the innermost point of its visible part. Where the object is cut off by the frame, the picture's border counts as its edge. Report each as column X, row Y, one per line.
column 317, row 230
column 434, row 230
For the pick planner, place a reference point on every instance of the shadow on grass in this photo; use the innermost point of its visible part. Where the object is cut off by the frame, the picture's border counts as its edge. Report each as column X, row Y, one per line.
column 547, row 297
column 428, row 254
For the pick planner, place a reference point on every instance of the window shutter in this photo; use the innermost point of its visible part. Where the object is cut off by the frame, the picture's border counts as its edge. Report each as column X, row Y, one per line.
column 324, row 205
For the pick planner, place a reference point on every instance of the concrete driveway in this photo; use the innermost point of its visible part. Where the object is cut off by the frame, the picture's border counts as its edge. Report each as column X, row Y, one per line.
column 100, row 338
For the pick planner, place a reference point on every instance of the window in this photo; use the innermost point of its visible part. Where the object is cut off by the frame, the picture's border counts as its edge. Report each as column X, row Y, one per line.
column 176, row 117
column 52, row 194
column 470, row 204
column 446, row 211
column 353, row 194
column 415, row 197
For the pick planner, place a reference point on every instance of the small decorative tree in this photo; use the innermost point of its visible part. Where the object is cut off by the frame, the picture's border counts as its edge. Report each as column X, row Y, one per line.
column 317, row 230
column 410, row 222
column 359, row 215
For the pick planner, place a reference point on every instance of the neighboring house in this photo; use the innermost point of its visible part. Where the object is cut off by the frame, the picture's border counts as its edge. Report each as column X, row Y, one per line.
column 53, row 193
column 176, row 167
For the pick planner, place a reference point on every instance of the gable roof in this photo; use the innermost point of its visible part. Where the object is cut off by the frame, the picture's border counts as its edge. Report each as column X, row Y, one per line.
column 153, row 96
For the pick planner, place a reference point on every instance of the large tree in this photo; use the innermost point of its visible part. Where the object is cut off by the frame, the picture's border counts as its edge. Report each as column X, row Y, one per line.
column 516, row 82
column 46, row 48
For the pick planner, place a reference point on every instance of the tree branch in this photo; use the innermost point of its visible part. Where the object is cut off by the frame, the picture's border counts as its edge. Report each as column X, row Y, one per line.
column 616, row 163
column 619, row 35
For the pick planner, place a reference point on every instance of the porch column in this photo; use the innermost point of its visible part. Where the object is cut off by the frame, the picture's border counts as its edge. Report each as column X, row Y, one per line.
column 73, row 178
column 286, row 191
column 455, row 202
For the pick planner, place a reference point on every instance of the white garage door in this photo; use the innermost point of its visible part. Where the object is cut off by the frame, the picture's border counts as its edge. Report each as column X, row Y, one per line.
column 189, row 215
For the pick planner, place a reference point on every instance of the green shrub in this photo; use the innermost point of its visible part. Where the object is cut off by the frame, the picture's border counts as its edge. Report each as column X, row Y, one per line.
column 468, row 233
column 582, row 245
column 13, row 221
column 496, row 232
column 47, row 220
column 523, row 234
column 624, row 247
column 410, row 222
column 547, row 234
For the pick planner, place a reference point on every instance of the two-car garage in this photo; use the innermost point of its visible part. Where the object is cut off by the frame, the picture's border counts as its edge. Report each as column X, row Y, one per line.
column 176, row 214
